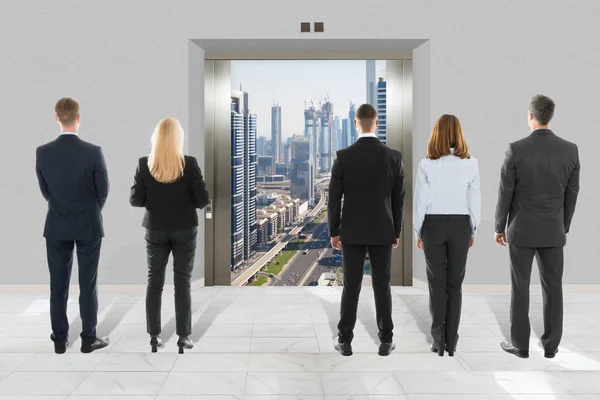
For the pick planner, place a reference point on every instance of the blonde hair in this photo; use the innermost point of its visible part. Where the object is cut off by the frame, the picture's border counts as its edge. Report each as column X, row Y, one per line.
column 166, row 161
column 447, row 133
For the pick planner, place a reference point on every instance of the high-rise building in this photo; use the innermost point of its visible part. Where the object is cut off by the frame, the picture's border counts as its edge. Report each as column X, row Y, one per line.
column 325, row 132
column 372, row 83
column 347, row 125
column 351, row 116
column 243, row 177
column 302, row 179
column 381, row 110
column 337, row 135
column 276, row 132
column 266, row 166
column 261, row 146
column 310, row 131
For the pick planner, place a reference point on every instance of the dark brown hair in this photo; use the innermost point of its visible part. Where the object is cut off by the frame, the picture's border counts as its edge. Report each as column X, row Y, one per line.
column 67, row 110
column 366, row 115
column 447, row 133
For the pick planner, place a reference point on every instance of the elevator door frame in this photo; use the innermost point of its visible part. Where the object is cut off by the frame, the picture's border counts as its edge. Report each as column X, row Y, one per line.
column 217, row 124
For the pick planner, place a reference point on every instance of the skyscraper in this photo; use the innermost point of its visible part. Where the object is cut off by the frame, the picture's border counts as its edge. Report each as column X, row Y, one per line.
column 381, row 110
column 302, row 179
column 347, row 125
column 276, row 132
column 372, row 82
column 337, row 135
column 243, row 179
column 310, row 131
column 325, row 132
column 261, row 146
column 353, row 131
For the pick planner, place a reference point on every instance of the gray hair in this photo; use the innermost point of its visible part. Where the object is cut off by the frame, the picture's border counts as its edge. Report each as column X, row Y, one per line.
column 542, row 108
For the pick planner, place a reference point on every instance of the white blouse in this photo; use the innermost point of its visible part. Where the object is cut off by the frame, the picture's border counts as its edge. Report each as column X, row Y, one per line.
column 447, row 186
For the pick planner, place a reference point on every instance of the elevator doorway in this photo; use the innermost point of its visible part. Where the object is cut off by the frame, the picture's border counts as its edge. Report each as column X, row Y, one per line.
column 268, row 158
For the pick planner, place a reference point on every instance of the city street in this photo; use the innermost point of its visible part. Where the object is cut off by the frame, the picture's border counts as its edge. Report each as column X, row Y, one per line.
column 301, row 263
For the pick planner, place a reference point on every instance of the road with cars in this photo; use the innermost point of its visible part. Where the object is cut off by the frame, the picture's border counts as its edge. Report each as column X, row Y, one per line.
column 305, row 258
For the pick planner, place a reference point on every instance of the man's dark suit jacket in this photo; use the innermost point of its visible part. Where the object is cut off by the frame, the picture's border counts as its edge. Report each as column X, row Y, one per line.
column 169, row 206
column 539, row 184
column 370, row 178
column 73, row 179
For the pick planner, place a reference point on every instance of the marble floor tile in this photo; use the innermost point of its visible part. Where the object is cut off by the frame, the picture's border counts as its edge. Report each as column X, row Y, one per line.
column 284, row 345
column 137, row 362
column 242, row 352
column 283, row 330
column 285, row 362
column 41, row 383
column 204, row 383
column 210, row 362
column 360, row 383
column 279, row 383
column 122, row 383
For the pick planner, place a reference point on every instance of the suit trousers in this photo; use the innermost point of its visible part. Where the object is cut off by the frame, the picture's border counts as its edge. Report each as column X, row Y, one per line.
column 159, row 244
column 353, row 261
column 60, row 264
column 550, row 261
column 446, row 241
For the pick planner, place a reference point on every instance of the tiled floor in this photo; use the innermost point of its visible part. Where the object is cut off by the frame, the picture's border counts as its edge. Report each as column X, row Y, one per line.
column 276, row 343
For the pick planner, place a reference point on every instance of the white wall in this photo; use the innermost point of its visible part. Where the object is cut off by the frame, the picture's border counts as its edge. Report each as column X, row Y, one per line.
column 127, row 62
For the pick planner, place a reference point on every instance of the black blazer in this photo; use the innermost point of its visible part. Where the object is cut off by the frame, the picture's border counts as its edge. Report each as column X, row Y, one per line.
column 370, row 177
column 539, row 184
column 169, row 206
column 73, row 179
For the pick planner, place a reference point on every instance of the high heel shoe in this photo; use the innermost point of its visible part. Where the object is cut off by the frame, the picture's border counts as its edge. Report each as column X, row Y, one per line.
column 155, row 343
column 184, row 343
column 437, row 349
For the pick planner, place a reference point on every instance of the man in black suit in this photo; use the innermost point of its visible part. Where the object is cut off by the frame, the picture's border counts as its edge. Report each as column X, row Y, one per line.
column 537, row 196
column 370, row 178
column 73, row 180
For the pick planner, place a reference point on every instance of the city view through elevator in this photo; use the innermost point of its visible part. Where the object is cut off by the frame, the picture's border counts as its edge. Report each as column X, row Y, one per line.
column 288, row 120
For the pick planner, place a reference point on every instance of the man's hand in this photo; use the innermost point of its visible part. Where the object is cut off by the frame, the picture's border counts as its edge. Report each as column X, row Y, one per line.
column 472, row 242
column 420, row 244
column 336, row 243
column 500, row 239
column 396, row 243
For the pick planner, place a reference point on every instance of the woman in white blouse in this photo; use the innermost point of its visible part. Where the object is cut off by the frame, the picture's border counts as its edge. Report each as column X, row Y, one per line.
column 447, row 211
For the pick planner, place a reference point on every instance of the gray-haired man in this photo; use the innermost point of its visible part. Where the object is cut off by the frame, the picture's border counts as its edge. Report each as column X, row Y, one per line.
column 536, row 201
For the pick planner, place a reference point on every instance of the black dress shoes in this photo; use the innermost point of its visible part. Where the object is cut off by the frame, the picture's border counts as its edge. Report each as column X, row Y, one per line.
column 385, row 349
column 550, row 354
column 61, row 348
column 509, row 348
column 97, row 345
column 344, row 349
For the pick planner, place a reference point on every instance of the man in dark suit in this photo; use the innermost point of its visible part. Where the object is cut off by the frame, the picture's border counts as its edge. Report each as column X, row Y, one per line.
column 370, row 178
column 538, row 190
column 73, row 180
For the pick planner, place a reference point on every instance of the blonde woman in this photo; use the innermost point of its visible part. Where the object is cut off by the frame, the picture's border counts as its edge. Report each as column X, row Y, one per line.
column 447, row 211
column 171, row 187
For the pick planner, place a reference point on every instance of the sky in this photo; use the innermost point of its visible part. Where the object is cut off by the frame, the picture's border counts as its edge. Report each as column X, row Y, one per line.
column 292, row 82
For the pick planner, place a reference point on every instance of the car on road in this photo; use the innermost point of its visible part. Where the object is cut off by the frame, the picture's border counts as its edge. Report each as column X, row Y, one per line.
column 271, row 275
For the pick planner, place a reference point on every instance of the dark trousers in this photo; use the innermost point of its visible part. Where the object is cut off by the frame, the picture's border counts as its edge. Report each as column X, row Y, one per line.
column 446, row 241
column 60, row 264
column 159, row 244
column 550, row 263
column 353, row 260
